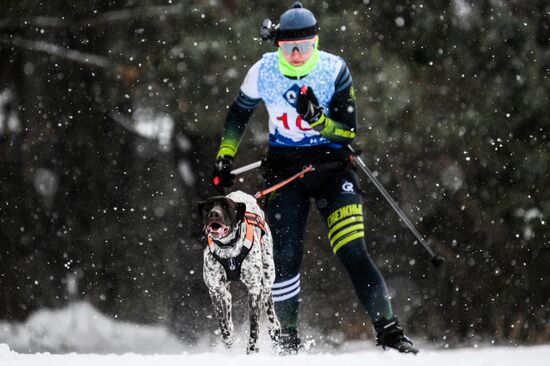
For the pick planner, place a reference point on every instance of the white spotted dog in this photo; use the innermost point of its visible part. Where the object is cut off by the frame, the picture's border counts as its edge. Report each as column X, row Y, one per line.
column 240, row 247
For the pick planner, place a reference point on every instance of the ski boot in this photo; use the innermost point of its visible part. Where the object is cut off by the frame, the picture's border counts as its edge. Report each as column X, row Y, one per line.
column 289, row 342
column 390, row 335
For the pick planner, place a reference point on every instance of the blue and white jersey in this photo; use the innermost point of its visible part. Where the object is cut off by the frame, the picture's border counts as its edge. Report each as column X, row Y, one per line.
column 264, row 81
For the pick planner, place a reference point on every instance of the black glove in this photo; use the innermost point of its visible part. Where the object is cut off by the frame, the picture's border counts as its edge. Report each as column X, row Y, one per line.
column 308, row 107
column 222, row 177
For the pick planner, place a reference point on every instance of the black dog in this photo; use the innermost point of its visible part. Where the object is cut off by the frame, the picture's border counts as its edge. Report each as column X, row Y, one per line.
column 240, row 247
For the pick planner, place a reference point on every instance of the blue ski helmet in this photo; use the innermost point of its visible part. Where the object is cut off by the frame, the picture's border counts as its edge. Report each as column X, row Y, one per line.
column 296, row 23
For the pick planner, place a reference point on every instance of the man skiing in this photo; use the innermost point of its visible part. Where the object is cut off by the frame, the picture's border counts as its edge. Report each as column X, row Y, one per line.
column 311, row 105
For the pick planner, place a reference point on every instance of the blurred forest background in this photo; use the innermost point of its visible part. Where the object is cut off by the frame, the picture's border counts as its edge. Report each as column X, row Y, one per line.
column 110, row 117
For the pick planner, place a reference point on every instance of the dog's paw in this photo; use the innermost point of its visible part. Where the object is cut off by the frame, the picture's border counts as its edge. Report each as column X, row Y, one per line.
column 252, row 349
column 228, row 342
column 275, row 335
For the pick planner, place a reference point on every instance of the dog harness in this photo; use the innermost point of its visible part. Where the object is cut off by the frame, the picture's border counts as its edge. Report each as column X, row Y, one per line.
column 232, row 265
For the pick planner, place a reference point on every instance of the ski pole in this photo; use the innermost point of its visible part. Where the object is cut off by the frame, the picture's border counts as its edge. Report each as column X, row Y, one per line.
column 435, row 259
column 247, row 167
column 243, row 169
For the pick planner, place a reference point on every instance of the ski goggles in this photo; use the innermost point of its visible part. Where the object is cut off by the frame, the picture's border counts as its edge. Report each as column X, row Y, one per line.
column 303, row 46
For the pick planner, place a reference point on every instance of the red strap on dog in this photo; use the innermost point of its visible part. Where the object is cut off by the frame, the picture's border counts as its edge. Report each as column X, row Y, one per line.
column 249, row 236
column 250, row 220
column 255, row 219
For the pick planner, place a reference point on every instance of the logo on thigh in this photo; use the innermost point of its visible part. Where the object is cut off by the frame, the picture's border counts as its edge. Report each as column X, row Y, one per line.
column 347, row 187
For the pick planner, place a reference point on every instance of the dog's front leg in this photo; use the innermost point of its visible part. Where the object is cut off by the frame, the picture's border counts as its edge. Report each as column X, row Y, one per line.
column 221, row 299
column 268, row 268
column 254, row 306
column 273, row 325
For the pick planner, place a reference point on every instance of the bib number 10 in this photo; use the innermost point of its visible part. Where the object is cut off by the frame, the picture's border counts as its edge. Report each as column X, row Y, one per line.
column 284, row 119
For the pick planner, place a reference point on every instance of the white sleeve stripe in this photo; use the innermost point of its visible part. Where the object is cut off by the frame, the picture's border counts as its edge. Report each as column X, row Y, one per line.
column 286, row 289
column 287, row 282
column 337, row 68
column 287, row 296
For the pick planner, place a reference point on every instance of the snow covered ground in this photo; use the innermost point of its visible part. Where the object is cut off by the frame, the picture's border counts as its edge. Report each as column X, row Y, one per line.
column 81, row 336
column 532, row 356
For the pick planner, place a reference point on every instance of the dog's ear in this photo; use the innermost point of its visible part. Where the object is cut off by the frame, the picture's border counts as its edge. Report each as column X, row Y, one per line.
column 200, row 208
column 240, row 211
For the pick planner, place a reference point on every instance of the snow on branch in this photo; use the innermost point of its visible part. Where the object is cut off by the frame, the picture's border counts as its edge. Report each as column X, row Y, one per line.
column 125, row 14
column 53, row 49
column 101, row 18
column 39, row 21
column 124, row 121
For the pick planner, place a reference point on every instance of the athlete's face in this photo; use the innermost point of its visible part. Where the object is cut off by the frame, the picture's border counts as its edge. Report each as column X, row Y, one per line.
column 299, row 52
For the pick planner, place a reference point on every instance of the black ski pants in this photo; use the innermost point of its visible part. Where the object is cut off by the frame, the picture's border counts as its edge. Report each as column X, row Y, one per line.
column 338, row 199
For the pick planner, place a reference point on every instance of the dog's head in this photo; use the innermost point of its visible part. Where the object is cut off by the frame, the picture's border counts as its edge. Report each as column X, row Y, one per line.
column 220, row 215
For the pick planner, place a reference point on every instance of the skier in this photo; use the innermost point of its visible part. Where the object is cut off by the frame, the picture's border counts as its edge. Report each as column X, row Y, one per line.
column 308, row 126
